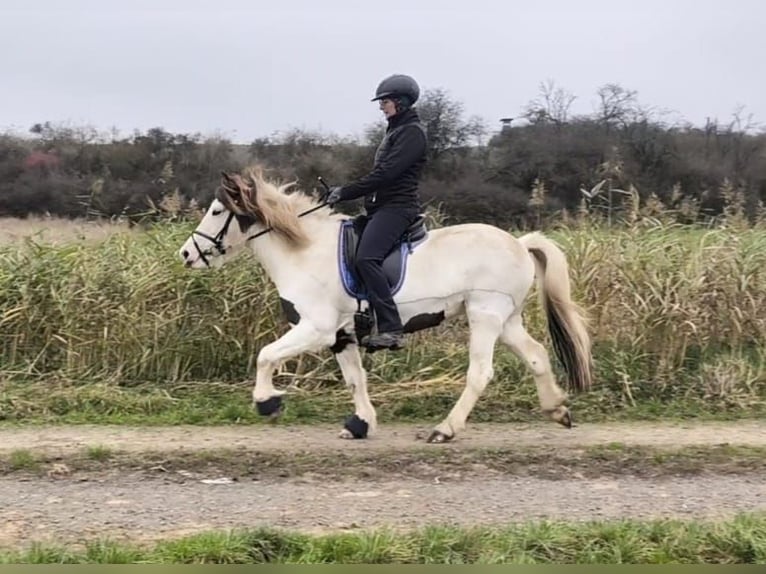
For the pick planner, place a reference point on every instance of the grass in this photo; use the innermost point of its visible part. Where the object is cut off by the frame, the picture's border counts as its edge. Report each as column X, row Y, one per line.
column 99, row 453
column 117, row 331
column 22, row 459
column 739, row 540
column 210, row 403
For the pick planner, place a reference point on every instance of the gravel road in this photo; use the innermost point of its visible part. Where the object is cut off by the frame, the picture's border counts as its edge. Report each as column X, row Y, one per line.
column 139, row 506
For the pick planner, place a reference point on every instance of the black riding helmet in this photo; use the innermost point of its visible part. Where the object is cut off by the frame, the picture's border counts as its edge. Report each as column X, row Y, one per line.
column 398, row 87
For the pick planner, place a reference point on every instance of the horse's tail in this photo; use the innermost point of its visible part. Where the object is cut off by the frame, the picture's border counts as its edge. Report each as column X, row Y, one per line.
column 567, row 323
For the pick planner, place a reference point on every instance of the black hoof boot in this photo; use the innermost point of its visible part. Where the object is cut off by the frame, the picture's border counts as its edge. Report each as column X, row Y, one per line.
column 356, row 426
column 271, row 407
column 439, row 437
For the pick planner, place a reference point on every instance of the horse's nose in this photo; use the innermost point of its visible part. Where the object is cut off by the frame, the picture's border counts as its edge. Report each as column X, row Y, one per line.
column 185, row 253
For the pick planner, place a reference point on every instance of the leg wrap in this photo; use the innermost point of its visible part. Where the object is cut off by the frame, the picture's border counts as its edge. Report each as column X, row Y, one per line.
column 356, row 426
column 269, row 406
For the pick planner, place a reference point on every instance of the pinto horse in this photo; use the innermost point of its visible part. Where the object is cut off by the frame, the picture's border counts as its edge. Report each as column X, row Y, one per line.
column 436, row 274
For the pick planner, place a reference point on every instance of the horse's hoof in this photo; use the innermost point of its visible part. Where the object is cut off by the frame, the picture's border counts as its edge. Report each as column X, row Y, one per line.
column 439, row 437
column 561, row 415
column 275, row 416
column 566, row 419
column 271, row 407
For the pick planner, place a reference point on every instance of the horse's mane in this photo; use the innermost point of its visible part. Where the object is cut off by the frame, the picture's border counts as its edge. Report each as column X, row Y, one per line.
column 252, row 195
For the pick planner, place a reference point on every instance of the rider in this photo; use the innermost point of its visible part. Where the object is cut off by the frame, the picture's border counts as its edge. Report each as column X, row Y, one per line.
column 391, row 199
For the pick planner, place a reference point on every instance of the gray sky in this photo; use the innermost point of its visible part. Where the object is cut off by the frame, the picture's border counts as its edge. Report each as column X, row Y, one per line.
column 229, row 67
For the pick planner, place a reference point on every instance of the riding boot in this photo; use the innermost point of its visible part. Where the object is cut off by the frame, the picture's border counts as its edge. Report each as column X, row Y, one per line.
column 393, row 340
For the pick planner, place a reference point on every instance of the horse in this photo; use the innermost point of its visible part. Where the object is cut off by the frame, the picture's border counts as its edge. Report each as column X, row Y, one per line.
column 476, row 270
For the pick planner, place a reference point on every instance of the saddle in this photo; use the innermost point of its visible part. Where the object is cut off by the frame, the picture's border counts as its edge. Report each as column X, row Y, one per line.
column 394, row 264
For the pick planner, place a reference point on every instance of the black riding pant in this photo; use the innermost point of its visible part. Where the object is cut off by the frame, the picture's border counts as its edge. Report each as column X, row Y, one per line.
column 381, row 231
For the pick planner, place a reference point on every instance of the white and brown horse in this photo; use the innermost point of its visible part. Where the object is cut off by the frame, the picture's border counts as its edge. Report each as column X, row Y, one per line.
column 436, row 274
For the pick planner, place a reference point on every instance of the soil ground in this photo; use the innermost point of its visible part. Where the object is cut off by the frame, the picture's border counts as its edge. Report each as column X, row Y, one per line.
column 64, row 484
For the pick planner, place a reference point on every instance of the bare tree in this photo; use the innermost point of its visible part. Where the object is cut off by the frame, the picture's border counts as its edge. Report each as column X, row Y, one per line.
column 447, row 129
column 617, row 105
column 553, row 104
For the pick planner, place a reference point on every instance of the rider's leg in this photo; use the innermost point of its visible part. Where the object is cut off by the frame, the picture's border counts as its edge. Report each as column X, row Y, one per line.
column 382, row 231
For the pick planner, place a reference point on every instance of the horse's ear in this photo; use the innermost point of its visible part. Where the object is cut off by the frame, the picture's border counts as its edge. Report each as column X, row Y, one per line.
column 250, row 191
column 226, row 179
column 230, row 185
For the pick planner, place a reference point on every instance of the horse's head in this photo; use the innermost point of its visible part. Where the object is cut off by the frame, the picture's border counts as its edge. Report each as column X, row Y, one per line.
column 245, row 209
column 215, row 239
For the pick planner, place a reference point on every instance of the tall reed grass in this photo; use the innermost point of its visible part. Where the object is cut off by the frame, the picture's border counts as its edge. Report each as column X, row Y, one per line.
column 676, row 311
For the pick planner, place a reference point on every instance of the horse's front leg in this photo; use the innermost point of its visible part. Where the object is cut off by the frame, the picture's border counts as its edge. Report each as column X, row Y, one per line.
column 302, row 338
column 364, row 420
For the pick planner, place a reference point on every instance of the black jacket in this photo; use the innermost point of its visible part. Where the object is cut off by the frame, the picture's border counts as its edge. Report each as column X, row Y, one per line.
column 399, row 161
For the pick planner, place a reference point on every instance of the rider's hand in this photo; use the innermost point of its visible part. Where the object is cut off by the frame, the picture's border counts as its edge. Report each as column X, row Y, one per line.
column 334, row 196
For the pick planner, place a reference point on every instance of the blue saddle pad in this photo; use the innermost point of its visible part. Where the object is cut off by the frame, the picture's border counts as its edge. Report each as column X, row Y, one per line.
column 394, row 264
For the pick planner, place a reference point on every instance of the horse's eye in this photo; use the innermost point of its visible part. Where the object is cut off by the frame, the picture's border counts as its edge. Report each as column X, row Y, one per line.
column 217, row 212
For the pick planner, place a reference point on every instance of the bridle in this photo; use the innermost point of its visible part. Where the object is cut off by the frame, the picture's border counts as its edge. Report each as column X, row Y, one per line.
column 217, row 241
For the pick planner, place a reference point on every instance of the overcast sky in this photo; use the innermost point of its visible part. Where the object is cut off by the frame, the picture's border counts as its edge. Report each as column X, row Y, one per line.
column 229, row 67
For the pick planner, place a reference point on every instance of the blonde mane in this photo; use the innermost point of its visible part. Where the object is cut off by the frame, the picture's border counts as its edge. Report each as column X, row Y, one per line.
column 268, row 202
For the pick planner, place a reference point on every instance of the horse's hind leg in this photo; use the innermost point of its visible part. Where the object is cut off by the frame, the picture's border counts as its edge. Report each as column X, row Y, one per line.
column 536, row 358
column 485, row 327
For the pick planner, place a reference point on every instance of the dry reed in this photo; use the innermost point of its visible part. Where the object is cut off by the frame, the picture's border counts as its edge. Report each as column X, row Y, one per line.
column 676, row 310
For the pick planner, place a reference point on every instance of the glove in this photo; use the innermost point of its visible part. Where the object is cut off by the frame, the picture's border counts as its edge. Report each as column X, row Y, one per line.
column 334, row 196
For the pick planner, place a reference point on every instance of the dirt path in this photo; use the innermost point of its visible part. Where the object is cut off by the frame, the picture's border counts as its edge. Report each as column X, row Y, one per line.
column 64, row 439
column 123, row 503
column 130, row 507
